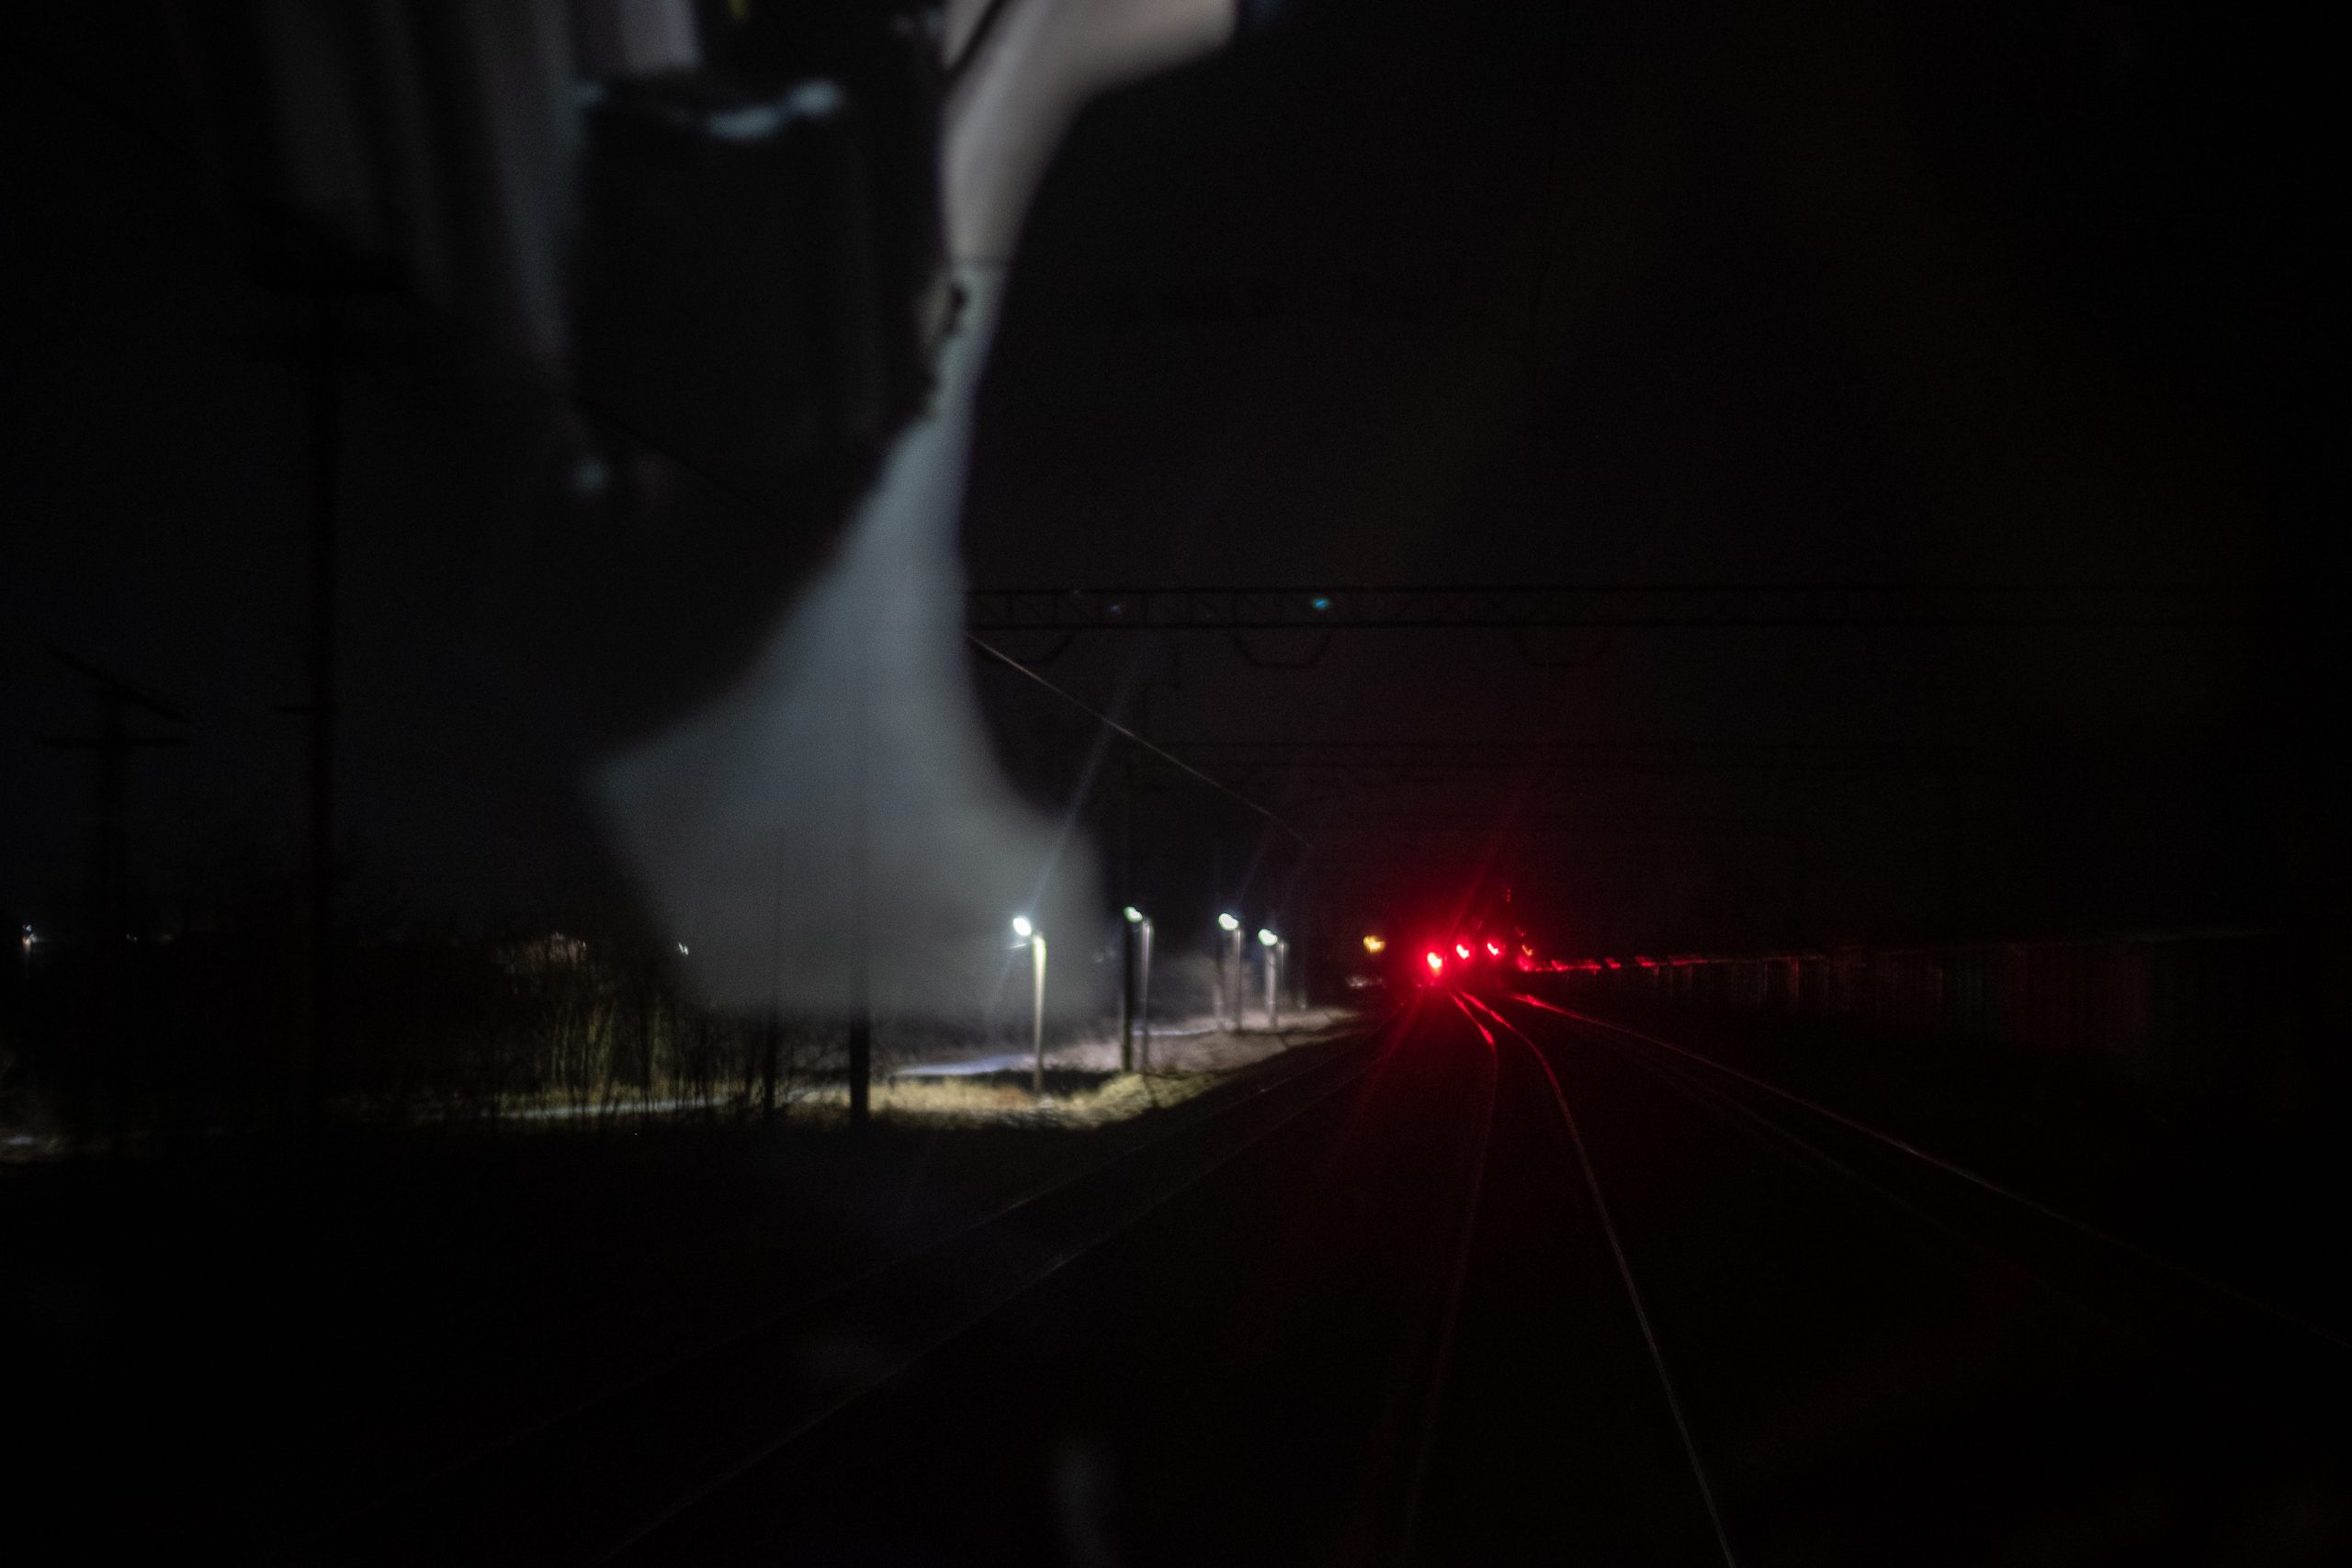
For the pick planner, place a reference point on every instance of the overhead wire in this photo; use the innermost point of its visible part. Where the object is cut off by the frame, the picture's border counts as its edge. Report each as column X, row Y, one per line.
column 1116, row 728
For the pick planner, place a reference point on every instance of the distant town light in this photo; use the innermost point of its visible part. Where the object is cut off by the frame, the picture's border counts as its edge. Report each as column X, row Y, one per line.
column 681, row 950
column 1267, row 937
column 1022, row 928
column 1135, row 915
column 1374, row 944
column 1228, row 923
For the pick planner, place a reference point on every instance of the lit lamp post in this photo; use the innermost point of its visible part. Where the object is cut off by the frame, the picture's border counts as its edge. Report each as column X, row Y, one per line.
column 1277, row 951
column 1035, row 940
column 1232, row 966
column 1135, row 1017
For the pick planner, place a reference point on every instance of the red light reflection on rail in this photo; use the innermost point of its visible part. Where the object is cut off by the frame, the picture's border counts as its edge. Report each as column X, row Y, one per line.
column 1484, row 1032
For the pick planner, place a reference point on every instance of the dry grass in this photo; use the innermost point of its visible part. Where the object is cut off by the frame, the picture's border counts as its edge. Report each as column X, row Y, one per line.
column 995, row 1102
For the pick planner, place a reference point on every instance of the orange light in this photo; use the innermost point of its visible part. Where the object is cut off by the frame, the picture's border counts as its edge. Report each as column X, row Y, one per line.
column 1374, row 944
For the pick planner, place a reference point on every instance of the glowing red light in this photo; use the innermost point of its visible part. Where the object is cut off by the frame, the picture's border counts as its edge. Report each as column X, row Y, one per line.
column 1462, row 950
column 1494, row 949
column 1437, row 964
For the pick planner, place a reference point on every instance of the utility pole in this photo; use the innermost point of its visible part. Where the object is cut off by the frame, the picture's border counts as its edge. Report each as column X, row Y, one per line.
column 1216, row 891
column 861, row 978
column 112, row 746
column 768, row 1027
column 861, row 1047
column 772, row 1024
column 326, row 437
column 299, row 254
column 861, row 981
column 1133, row 919
column 311, row 261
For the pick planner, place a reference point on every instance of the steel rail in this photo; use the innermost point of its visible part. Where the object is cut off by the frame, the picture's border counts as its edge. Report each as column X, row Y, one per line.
column 607, row 1393
column 1632, row 1289
column 1442, row 1363
column 1961, row 1173
column 1062, row 1259
column 1800, row 1149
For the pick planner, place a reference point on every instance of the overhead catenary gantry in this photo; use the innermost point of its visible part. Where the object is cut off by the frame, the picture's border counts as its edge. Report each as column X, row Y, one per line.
column 1607, row 606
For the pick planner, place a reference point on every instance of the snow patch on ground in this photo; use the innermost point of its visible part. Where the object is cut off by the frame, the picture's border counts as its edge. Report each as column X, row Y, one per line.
column 1192, row 1046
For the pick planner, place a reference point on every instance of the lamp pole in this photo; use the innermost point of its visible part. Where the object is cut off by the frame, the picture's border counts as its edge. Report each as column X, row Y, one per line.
column 1136, row 951
column 1274, row 946
column 1231, row 965
column 1035, row 940
column 1143, row 997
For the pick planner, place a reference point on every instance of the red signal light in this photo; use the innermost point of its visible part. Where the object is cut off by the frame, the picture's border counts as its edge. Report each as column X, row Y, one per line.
column 1462, row 950
column 1437, row 964
column 1494, row 949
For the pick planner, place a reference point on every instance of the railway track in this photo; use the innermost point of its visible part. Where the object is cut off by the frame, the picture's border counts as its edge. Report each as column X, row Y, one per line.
column 1502, row 1285
column 497, row 1498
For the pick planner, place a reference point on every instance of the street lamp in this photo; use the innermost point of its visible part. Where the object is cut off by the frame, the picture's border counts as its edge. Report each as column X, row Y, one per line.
column 1231, row 926
column 1035, row 941
column 1277, row 951
column 1137, row 1015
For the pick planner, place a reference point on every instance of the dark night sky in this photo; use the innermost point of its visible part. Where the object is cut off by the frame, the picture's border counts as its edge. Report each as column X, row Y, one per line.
column 1805, row 295
column 1413, row 294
